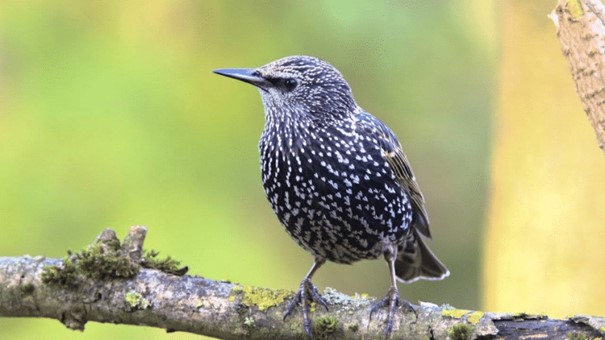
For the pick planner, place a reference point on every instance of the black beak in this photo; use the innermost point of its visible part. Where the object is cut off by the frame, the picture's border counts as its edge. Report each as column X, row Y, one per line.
column 248, row 75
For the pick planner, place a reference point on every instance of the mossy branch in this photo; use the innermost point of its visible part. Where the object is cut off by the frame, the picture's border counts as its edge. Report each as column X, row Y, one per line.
column 111, row 282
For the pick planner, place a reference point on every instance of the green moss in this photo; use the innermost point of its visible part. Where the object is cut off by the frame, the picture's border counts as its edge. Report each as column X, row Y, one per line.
column 64, row 276
column 354, row 327
column 105, row 259
column 97, row 261
column 325, row 326
column 261, row 298
column 576, row 336
column 99, row 264
column 475, row 317
column 167, row 265
column 454, row 313
column 136, row 301
column 526, row 316
column 460, row 331
column 27, row 288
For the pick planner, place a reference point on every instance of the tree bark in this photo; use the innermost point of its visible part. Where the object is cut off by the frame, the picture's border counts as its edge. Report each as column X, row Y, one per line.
column 581, row 31
column 232, row 311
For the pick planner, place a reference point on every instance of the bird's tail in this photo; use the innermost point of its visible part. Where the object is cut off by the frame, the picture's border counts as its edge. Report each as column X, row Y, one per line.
column 415, row 261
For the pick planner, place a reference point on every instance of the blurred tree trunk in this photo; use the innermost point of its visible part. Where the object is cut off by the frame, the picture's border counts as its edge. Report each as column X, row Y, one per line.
column 546, row 223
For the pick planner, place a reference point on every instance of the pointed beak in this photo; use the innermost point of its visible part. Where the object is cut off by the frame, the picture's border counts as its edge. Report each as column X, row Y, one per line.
column 248, row 75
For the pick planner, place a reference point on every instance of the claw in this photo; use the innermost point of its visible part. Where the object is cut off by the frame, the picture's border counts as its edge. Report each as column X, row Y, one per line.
column 316, row 297
column 392, row 301
column 307, row 293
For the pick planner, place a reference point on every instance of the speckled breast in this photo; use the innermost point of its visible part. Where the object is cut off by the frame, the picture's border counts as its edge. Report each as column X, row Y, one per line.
column 335, row 193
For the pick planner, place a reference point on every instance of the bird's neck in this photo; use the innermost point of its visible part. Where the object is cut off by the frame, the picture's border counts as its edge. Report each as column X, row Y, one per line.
column 284, row 133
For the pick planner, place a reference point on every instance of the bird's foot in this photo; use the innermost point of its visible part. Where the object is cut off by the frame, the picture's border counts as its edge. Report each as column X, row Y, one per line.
column 307, row 293
column 391, row 301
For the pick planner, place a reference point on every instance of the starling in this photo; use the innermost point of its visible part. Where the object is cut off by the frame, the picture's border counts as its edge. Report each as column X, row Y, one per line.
column 337, row 179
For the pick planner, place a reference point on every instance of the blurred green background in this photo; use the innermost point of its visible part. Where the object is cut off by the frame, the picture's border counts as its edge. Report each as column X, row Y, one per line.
column 110, row 116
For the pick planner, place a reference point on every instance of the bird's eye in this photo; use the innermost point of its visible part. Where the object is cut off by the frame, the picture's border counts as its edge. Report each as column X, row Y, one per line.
column 290, row 84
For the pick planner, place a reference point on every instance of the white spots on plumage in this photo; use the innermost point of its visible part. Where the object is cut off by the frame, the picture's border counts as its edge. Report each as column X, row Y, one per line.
column 363, row 242
column 389, row 188
column 361, row 158
column 334, row 185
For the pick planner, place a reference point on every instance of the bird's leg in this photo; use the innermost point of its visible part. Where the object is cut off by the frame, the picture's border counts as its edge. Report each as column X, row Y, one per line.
column 306, row 294
column 392, row 299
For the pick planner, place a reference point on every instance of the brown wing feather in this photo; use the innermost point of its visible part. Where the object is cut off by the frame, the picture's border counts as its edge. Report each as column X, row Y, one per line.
column 393, row 153
column 400, row 165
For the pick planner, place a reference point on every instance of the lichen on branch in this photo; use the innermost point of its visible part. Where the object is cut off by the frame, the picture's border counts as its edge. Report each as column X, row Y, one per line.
column 108, row 282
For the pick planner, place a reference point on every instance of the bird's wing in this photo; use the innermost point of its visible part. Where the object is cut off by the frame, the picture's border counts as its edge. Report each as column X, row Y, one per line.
column 394, row 155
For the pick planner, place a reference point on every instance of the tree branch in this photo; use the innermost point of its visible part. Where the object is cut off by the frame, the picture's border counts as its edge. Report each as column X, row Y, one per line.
column 94, row 291
column 581, row 31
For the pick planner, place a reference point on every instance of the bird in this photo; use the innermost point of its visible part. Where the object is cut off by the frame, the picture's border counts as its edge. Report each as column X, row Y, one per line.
column 338, row 180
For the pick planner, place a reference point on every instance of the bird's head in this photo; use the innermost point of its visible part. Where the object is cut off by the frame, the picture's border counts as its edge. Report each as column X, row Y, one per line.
column 299, row 86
